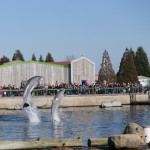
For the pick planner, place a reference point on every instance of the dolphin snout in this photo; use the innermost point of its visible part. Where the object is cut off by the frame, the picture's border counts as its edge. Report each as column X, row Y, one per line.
column 25, row 105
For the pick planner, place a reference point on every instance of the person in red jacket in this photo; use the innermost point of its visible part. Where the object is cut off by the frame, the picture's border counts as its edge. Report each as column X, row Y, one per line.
column 1, row 91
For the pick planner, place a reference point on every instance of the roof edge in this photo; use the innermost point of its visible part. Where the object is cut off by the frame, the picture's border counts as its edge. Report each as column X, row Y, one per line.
column 83, row 57
column 36, row 62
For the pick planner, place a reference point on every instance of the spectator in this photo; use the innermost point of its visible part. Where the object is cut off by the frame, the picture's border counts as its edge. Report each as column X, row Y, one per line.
column 73, row 89
column 1, row 92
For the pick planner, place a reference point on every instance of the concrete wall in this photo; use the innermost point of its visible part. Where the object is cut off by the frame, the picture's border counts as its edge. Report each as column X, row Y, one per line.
column 14, row 73
column 71, row 101
column 82, row 69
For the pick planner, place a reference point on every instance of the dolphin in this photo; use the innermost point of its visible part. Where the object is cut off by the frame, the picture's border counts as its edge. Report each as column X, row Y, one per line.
column 55, row 104
column 31, row 83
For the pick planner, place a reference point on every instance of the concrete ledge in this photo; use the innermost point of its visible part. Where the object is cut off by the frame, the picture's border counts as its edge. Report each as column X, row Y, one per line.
column 71, row 101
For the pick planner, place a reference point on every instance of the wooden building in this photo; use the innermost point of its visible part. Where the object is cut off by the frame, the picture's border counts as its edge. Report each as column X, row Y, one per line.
column 76, row 71
column 82, row 69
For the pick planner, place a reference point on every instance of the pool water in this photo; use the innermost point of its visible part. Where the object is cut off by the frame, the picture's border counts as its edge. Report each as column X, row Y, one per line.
column 83, row 122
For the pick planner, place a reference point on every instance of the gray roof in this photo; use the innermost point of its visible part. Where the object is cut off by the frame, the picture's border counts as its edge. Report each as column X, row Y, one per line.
column 143, row 77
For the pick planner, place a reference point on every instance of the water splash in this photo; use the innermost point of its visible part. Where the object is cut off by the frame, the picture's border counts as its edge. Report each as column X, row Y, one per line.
column 28, row 106
column 55, row 104
column 33, row 114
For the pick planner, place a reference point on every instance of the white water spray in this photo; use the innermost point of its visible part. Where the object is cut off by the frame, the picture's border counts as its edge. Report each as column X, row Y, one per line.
column 28, row 106
column 33, row 114
column 55, row 104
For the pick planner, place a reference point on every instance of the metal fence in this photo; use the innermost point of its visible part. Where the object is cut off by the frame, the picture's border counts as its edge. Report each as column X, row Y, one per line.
column 78, row 91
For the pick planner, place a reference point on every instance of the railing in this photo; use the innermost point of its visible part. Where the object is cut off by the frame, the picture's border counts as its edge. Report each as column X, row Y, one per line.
column 78, row 91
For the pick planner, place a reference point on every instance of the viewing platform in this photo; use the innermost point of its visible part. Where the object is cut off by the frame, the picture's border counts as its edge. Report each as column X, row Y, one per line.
column 78, row 100
column 134, row 101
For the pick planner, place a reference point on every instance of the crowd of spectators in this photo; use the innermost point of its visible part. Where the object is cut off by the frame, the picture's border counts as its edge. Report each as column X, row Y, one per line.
column 76, row 89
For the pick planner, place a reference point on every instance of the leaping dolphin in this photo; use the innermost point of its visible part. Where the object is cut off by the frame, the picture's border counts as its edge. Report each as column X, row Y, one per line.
column 55, row 104
column 31, row 83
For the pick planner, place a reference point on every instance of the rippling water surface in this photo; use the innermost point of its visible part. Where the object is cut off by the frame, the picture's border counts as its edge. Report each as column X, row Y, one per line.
column 87, row 122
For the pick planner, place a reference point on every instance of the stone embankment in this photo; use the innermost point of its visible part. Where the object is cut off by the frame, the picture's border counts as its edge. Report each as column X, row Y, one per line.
column 72, row 101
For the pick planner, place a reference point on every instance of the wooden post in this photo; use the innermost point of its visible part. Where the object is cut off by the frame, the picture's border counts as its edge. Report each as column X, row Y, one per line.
column 98, row 142
column 132, row 97
column 149, row 95
column 38, row 144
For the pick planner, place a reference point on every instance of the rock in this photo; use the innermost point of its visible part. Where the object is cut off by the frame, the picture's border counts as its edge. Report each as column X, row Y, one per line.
column 133, row 128
column 125, row 141
column 16, row 107
column 114, row 103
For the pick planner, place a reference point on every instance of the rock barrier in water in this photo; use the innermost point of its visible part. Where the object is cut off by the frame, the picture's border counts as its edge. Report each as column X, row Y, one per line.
column 114, row 103
column 16, row 107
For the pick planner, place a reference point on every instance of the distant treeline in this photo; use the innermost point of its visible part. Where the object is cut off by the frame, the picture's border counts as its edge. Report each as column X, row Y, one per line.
column 132, row 65
column 19, row 56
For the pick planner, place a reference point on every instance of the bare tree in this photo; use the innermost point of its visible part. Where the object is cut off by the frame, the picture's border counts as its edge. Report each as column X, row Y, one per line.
column 70, row 58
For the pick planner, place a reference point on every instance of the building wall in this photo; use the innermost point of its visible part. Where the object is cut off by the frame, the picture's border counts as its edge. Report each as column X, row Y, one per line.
column 145, row 81
column 15, row 73
column 82, row 69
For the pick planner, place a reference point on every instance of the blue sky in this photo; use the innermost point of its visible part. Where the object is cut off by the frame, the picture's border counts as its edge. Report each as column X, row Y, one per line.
column 74, row 27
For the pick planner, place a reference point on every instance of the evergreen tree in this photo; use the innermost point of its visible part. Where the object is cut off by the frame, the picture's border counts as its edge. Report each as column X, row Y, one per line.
column 142, row 63
column 49, row 58
column 18, row 56
column 41, row 59
column 106, row 72
column 4, row 59
column 127, row 70
column 33, row 57
column 133, row 54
